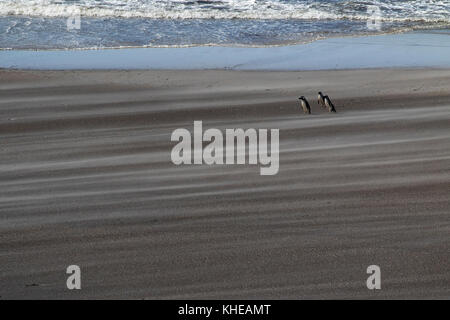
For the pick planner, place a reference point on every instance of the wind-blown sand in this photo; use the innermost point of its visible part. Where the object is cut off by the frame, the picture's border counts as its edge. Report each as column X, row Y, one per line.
column 86, row 179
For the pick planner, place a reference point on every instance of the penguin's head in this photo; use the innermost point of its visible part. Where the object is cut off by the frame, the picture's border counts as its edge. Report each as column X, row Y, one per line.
column 302, row 97
column 320, row 93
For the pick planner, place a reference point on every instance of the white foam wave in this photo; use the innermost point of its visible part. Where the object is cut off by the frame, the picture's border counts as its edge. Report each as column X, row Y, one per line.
column 415, row 10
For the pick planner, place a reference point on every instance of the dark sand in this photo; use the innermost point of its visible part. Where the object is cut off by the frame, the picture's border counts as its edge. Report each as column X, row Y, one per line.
column 86, row 179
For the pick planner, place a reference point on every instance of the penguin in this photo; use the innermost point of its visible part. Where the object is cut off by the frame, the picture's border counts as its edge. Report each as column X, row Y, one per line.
column 305, row 105
column 329, row 104
column 320, row 99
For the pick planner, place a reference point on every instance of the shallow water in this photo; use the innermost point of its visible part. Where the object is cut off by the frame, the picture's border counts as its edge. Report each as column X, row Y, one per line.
column 43, row 24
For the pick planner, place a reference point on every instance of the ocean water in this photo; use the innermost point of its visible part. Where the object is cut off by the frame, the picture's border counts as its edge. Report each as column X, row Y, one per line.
column 43, row 24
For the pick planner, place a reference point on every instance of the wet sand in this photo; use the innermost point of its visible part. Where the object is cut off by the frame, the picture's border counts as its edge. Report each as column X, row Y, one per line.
column 86, row 179
column 425, row 49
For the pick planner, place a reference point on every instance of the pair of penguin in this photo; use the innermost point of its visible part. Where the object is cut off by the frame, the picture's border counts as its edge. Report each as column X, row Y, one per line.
column 322, row 100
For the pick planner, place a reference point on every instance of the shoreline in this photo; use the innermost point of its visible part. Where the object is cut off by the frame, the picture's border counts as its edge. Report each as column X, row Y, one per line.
column 434, row 29
column 418, row 49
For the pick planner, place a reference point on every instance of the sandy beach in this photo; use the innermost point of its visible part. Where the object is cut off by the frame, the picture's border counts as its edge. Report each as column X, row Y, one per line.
column 86, row 179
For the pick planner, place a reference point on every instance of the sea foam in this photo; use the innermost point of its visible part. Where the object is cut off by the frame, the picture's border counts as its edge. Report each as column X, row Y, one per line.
column 415, row 10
